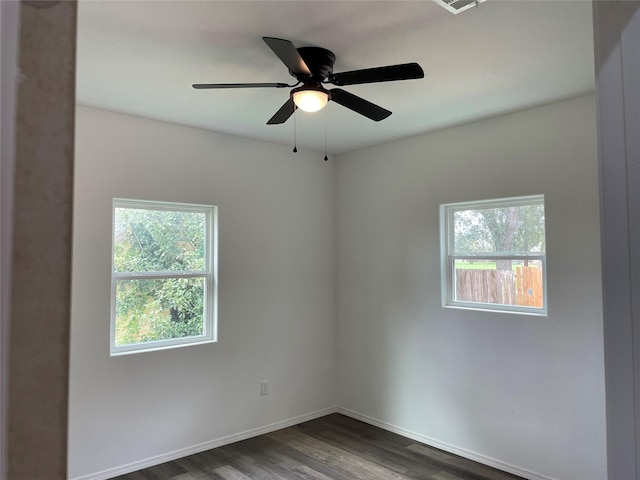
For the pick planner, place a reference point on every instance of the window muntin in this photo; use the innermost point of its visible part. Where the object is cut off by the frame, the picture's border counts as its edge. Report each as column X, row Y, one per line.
column 493, row 255
column 163, row 286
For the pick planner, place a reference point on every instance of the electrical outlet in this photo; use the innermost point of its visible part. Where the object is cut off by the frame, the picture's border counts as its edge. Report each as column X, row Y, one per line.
column 264, row 388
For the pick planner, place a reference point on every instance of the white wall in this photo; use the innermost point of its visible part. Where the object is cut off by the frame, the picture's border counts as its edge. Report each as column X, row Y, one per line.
column 523, row 392
column 276, row 295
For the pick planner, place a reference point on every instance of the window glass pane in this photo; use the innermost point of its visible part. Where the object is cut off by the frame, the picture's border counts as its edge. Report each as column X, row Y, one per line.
column 508, row 229
column 157, row 240
column 153, row 310
column 499, row 282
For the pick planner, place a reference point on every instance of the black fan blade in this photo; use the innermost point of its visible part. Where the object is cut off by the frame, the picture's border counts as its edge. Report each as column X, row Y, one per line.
column 406, row 71
column 359, row 105
column 284, row 113
column 286, row 52
column 239, row 85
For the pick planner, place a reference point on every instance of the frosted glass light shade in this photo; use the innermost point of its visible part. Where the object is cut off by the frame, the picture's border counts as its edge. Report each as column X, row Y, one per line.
column 310, row 100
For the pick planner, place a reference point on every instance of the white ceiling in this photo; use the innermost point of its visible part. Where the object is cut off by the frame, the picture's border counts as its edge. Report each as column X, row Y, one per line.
column 141, row 57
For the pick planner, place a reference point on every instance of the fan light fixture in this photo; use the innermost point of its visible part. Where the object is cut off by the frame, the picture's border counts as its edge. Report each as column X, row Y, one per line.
column 310, row 100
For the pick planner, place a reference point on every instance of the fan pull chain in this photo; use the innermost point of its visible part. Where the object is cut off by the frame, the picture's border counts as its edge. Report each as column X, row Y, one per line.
column 325, row 135
column 295, row 135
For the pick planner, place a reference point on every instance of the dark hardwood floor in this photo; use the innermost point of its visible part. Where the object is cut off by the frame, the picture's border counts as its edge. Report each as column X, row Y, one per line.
column 334, row 447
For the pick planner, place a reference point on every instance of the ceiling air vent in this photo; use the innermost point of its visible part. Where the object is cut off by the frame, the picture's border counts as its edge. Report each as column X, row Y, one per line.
column 457, row 6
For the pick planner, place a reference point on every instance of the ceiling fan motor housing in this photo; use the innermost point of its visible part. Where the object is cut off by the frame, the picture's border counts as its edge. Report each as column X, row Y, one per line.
column 319, row 61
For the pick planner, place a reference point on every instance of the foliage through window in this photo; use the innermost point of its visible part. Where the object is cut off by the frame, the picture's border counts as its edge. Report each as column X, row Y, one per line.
column 163, row 275
column 493, row 255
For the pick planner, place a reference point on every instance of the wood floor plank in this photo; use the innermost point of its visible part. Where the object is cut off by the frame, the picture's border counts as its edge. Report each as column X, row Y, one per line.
column 333, row 471
column 191, row 464
column 229, row 473
column 334, row 447
column 418, row 454
column 328, row 453
column 254, row 458
column 395, row 446
column 192, row 476
column 386, row 457
column 457, row 463
column 446, row 476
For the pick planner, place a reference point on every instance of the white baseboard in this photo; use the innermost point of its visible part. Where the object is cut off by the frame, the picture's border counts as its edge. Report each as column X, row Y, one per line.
column 432, row 442
column 202, row 447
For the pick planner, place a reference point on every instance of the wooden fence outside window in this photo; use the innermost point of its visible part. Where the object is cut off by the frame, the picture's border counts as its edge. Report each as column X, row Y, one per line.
column 520, row 286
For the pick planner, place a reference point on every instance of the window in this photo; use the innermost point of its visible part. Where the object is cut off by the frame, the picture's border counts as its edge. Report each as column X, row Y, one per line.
column 493, row 255
column 163, row 280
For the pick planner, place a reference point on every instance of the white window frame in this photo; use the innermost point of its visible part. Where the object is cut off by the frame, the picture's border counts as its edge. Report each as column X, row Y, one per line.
column 209, row 274
column 449, row 256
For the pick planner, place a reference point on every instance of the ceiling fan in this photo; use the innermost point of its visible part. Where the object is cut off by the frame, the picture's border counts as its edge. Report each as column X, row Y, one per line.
column 312, row 67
